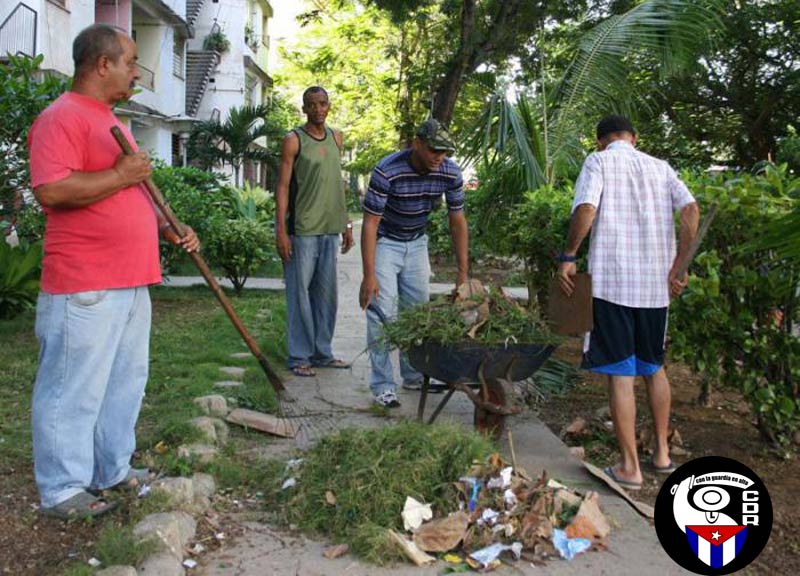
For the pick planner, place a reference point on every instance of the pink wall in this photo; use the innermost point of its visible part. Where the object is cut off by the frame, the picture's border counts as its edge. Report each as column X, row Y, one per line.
column 119, row 15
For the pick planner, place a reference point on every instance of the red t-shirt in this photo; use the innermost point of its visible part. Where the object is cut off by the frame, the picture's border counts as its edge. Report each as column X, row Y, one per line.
column 112, row 243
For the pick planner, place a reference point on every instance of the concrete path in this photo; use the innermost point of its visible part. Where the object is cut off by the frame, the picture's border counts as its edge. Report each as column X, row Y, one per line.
column 337, row 398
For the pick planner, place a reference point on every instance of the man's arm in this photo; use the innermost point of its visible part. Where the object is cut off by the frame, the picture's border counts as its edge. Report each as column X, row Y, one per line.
column 459, row 231
column 369, row 240
column 690, row 220
column 579, row 226
column 289, row 151
column 84, row 188
column 347, row 233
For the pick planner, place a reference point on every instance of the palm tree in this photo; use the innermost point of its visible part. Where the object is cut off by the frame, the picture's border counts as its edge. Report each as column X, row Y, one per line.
column 535, row 142
column 234, row 141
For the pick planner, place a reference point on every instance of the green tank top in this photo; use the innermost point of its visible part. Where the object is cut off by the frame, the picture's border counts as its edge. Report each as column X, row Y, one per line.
column 317, row 202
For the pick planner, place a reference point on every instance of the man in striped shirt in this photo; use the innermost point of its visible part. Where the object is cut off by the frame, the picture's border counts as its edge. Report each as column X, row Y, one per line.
column 628, row 199
column 404, row 188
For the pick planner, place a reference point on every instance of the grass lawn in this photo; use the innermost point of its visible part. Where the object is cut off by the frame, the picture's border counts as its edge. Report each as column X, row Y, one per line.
column 191, row 339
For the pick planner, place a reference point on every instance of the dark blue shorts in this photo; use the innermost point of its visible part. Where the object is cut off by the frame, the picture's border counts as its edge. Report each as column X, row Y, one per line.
column 625, row 341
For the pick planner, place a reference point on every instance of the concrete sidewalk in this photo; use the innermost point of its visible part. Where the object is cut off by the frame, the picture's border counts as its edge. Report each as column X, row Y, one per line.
column 340, row 398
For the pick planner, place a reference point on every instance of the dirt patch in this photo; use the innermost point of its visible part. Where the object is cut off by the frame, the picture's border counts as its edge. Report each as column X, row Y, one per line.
column 723, row 429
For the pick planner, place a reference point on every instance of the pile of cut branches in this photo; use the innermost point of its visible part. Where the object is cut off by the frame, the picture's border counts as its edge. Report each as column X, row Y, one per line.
column 472, row 314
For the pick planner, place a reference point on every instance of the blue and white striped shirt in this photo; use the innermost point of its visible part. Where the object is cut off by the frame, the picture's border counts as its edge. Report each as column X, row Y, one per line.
column 403, row 197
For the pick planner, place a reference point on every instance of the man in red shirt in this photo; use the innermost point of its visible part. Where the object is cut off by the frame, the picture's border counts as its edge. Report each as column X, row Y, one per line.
column 100, row 255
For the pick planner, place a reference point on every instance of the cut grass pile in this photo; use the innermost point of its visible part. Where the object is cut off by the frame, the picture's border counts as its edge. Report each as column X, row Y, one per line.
column 490, row 318
column 368, row 474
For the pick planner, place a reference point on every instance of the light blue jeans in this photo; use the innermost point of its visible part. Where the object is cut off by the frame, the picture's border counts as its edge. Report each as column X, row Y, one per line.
column 403, row 272
column 93, row 362
column 311, row 299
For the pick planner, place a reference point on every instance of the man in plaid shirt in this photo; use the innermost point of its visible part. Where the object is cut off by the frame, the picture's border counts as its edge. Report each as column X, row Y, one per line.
column 628, row 200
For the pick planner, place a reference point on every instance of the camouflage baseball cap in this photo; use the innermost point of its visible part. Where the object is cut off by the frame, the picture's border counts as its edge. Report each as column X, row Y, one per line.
column 436, row 135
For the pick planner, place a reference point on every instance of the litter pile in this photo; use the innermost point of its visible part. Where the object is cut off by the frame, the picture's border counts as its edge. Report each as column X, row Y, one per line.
column 411, row 491
column 473, row 313
column 504, row 511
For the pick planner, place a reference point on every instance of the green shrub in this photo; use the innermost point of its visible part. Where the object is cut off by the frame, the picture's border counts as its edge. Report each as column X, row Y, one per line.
column 20, row 268
column 238, row 246
column 734, row 323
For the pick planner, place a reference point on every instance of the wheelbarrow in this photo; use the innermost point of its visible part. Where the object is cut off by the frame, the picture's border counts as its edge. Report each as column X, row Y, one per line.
column 484, row 373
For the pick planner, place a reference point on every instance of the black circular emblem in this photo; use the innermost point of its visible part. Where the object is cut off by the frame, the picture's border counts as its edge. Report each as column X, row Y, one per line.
column 713, row 515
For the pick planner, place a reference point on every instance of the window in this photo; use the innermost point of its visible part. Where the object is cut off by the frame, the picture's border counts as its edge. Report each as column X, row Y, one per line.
column 177, row 157
column 178, row 48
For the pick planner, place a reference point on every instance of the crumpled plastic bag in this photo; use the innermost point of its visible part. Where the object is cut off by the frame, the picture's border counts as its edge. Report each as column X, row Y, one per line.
column 415, row 513
column 568, row 548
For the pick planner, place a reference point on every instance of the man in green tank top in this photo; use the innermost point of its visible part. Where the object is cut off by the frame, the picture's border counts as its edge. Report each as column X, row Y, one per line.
column 311, row 212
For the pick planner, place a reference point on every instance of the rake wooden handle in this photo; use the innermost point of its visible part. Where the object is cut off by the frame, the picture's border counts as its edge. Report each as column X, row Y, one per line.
column 701, row 233
column 158, row 198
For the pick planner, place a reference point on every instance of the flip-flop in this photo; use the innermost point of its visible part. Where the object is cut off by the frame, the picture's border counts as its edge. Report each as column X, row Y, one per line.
column 82, row 505
column 303, row 371
column 668, row 469
column 335, row 363
column 609, row 471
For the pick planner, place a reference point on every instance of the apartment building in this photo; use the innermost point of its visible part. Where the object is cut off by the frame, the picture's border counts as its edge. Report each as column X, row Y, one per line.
column 182, row 81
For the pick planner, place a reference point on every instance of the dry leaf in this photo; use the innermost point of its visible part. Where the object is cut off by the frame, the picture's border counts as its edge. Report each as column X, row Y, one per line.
column 330, row 498
column 442, row 535
column 336, row 551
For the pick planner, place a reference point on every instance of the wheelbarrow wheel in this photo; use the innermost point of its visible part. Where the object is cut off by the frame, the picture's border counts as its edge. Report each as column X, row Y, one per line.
column 486, row 421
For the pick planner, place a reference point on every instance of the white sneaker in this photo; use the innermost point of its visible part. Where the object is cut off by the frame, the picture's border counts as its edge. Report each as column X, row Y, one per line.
column 386, row 399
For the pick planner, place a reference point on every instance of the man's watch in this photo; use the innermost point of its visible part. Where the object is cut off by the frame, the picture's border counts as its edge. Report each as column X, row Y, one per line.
column 564, row 257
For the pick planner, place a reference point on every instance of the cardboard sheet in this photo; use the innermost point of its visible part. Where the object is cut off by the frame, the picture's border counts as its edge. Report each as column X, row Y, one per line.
column 571, row 315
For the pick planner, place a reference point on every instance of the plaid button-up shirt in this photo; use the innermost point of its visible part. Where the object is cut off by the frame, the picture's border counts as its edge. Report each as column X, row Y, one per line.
column 633, row 235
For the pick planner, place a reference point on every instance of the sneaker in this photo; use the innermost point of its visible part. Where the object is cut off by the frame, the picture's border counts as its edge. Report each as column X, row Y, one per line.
column 434, row 387
column 387, row 399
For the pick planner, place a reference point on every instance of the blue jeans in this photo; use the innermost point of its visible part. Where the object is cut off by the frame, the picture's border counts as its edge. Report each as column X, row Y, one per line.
column 403, row 272
column 311, row 299
column 93, row 362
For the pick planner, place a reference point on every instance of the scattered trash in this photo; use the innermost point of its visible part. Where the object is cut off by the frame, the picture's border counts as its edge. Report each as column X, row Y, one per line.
column 144, row 490
column 511, row 499
column 294, row 464
column 442, row 535
column 568, row 548
column 220, row 535
column 411, row 550
column 415, row 513
column 288, row 483
column 475, row 487
column 330, row 498
column 502, row 481
column 485, row 557
column 94, row 562
column 336, row 551
column 189, row 563
column 161, row 447
column 488, row 516
column 197, row 549
column 452, row 559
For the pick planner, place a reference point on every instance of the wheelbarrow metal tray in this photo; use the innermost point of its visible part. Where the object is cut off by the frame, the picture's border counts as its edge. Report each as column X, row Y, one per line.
column 456, row 363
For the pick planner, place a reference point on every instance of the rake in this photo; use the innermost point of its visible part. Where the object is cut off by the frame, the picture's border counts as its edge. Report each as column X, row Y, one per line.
column 284, row 399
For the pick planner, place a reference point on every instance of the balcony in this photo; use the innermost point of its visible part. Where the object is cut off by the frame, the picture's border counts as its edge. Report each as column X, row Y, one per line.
column 147, row 78
column 18, row 32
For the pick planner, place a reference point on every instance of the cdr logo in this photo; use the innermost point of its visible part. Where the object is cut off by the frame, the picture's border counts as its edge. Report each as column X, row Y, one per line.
column 713, row 515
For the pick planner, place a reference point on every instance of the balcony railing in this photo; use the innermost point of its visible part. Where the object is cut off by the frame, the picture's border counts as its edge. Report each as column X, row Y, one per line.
column 147, row 78
column 18, row 32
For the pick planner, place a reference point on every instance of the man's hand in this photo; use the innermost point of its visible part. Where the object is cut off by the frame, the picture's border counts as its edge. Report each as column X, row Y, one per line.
column 284, row 245
column 369, row 290
column 190, row 242
column 462, row 278
column 565, row 274
column 347, row 240
column 132, row 169
column 677, row 285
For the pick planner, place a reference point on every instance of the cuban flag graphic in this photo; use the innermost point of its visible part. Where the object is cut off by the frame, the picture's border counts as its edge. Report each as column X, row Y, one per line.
column 716, row 545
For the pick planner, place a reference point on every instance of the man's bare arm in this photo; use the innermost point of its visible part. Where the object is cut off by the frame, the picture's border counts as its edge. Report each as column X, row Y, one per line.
column 84, row 188
column 369, row 240
column 289, row 151
column 459, row 231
